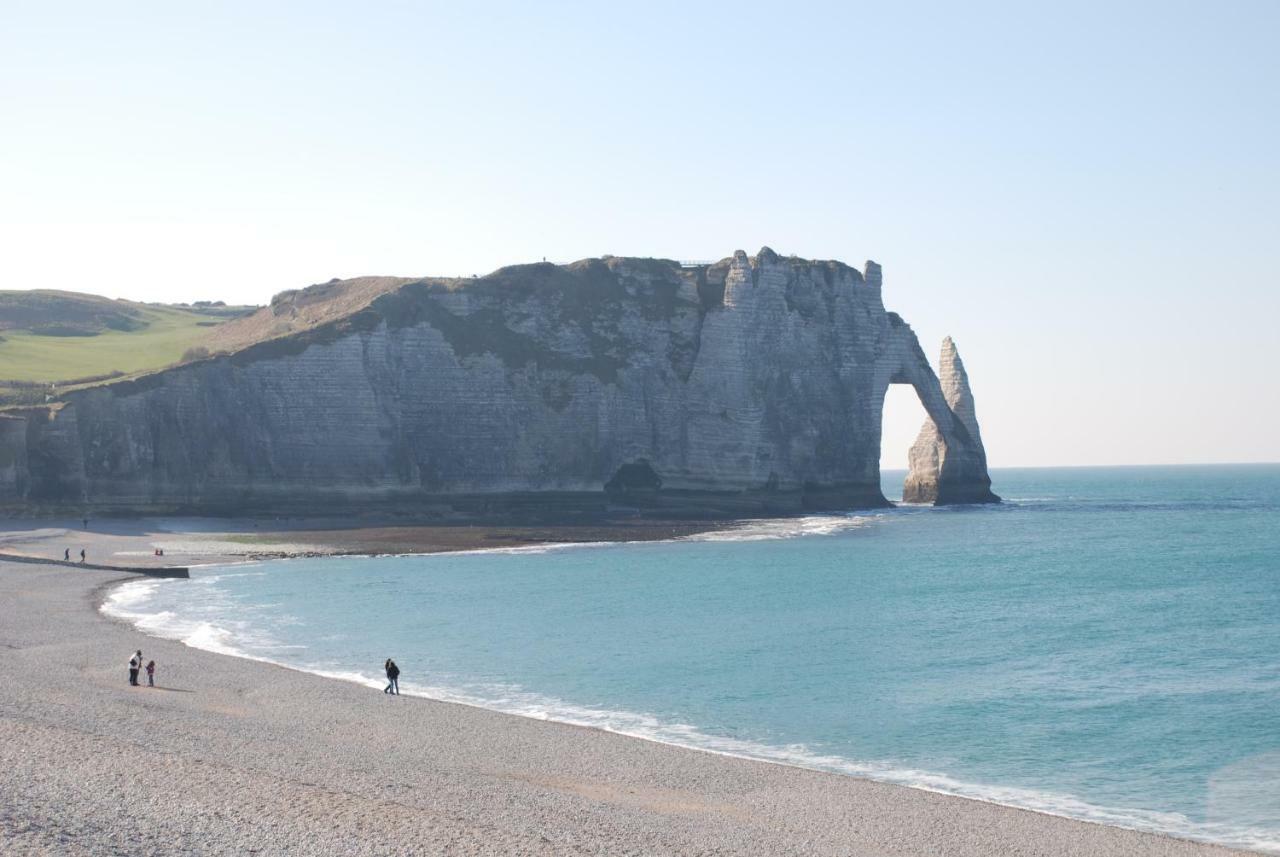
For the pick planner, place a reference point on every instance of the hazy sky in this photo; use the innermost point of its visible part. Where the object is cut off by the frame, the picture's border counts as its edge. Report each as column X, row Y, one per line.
column 1086, row 196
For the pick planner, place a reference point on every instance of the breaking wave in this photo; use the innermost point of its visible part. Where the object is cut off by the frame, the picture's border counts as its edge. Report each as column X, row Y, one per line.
column 784, row 528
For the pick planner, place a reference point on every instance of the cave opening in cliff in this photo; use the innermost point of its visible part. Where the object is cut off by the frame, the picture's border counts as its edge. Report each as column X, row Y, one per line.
column 902, row 417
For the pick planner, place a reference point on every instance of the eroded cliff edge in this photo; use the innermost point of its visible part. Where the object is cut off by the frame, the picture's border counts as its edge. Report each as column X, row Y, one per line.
column 752, row 385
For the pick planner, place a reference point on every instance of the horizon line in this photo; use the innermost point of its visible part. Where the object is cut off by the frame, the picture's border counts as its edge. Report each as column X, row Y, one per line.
column 1085, row 466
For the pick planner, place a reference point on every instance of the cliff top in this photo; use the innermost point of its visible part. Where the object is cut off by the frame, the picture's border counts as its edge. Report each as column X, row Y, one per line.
column 297, row 310
column 158, row 337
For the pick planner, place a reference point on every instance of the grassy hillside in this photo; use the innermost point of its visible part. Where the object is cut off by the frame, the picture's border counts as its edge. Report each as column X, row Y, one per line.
column 54, row 341
column 62, row 338
column 162, row 338
column 55, row 313
column 302, row 309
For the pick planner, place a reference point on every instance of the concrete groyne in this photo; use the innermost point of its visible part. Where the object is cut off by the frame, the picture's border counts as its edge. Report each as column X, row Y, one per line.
column 152, row 571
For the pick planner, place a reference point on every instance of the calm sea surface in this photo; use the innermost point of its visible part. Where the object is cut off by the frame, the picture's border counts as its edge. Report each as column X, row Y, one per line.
column 1104, row 645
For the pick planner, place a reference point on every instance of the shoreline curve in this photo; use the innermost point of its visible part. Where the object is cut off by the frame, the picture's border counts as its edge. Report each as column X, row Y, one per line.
column 102, row 607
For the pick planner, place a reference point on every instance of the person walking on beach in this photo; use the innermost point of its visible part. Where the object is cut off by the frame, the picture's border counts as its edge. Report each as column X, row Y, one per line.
column 151, row 673
column 82, row 554
column 66, row 555
column 135, row 664
column 393, row 678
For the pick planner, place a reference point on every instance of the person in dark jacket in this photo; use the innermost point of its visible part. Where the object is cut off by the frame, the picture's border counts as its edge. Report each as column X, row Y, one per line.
column 393, row 678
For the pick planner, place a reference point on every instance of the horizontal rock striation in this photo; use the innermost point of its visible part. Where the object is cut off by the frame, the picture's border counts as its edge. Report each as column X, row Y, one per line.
column 752, row 385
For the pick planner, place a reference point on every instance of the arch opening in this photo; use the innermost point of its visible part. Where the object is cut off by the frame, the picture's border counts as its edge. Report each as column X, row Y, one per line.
column 902, row 415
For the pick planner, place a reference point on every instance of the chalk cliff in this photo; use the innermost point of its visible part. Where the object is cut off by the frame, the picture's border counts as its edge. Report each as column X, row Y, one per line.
column 751, row 385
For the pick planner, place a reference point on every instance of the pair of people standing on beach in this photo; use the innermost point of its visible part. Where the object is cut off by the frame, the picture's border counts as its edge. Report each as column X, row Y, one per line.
column 393, row 678
column 135, row 664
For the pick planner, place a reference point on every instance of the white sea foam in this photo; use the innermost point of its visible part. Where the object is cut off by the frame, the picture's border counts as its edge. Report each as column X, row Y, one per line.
column 130, row 601
column 765, row 529
column 784, row 528
column 129, row 595
column 517, row 549
column 747, row 531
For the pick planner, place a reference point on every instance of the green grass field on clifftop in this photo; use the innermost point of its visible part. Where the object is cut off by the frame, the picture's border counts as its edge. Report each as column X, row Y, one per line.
column 59, row 338
column 27, row 356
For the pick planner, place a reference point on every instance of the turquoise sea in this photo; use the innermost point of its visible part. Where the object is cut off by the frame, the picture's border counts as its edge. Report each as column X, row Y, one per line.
column 1104, row 645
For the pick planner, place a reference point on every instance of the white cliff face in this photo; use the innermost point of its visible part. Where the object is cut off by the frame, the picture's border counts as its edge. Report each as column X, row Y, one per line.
column 951, row 467
column 752, row 385
column 955, row 388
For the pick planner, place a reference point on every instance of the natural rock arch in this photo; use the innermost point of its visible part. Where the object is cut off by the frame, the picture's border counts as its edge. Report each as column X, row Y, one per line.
column 947, row 462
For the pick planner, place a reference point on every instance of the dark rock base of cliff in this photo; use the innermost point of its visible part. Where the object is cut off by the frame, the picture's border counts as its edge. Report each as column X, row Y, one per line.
column 951, row 494
column 561, row 507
